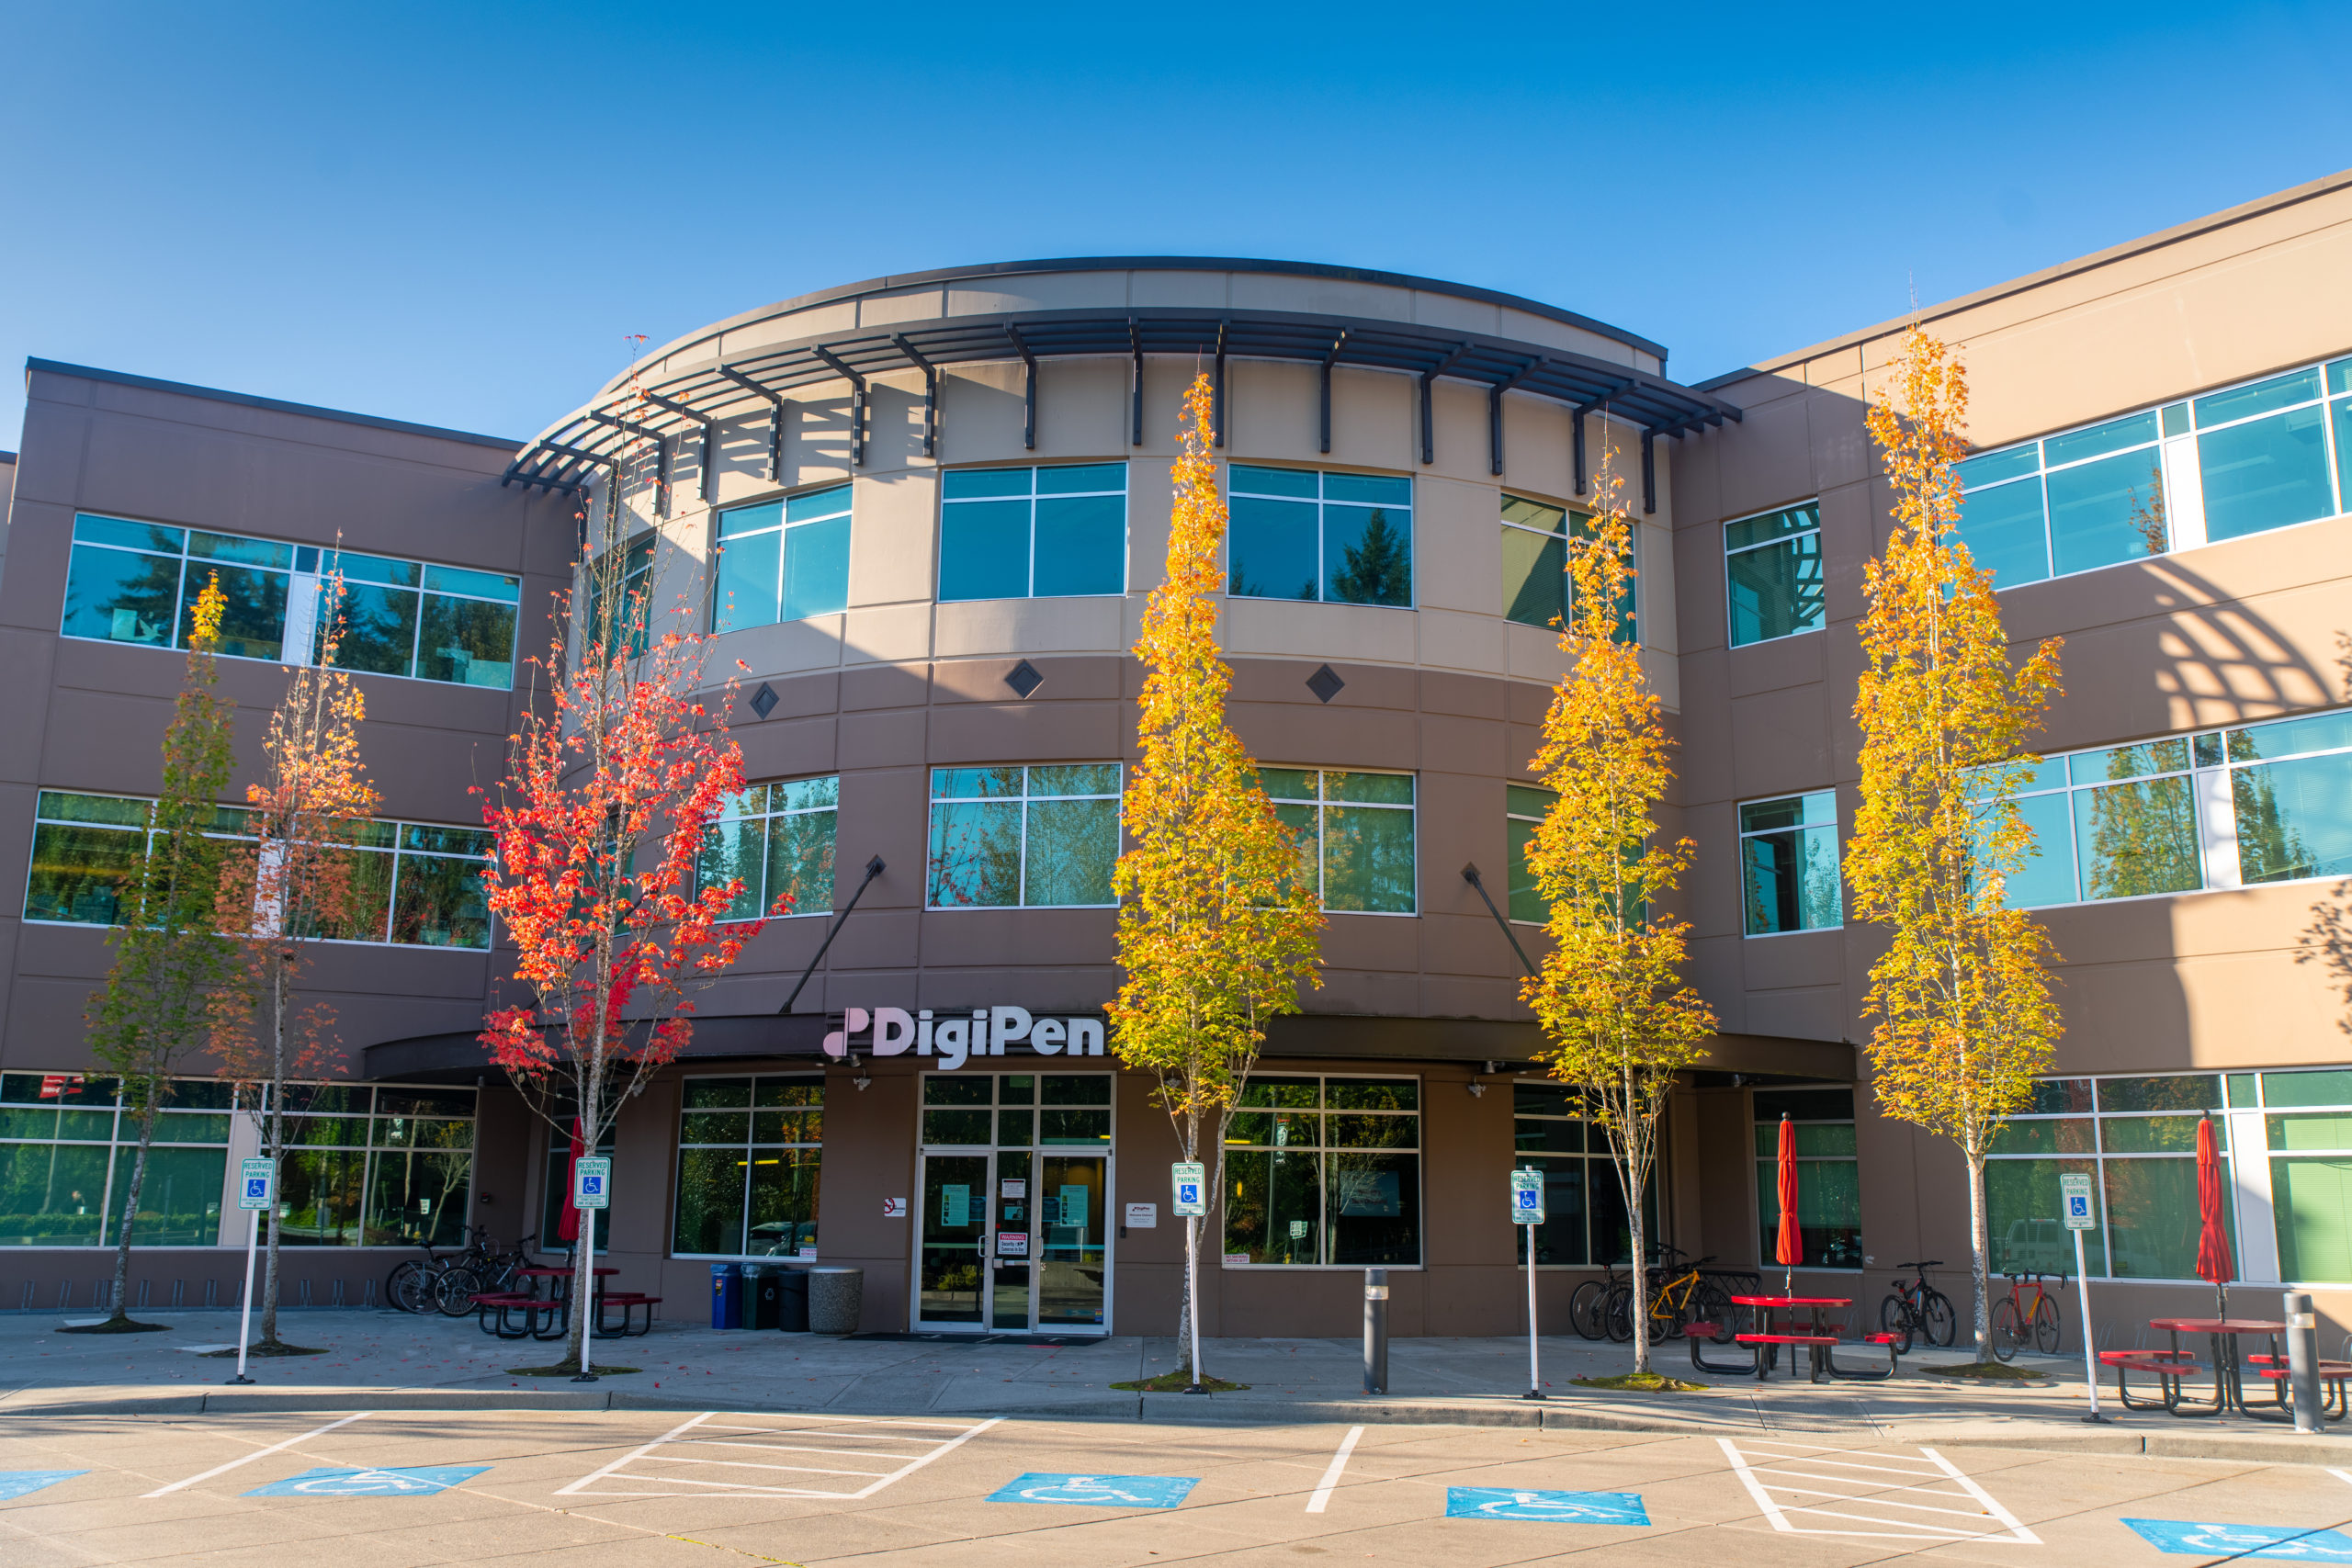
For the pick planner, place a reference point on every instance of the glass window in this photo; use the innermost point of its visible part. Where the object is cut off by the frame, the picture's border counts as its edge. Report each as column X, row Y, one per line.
column 779, row 839
column 137, row 582
column 1535, row 563
column 1032, row 532
column 1829, row 1189
column 1005, row 837
column 2004, row 526
column 1309, row 535
column 1355, row 830
column 785, row 561
column 1773, row 571
column 1048, row 1111
column 633, row 620
column 1306, row 1190
column 749, row 1151
column 1524, row 807
column 1788, row 859
column 1584, row 1203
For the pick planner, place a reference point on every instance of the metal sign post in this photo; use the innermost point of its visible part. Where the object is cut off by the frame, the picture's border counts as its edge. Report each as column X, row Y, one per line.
column 1527, row 1211
column 2075, row 1198
column 256, row 1190
column 592, row 1189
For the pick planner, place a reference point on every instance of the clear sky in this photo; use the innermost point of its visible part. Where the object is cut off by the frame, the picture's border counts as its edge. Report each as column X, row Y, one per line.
column 456, row 213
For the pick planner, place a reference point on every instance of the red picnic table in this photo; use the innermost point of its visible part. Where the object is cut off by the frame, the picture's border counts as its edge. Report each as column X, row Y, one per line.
column 1764, row 1342
column 2168, row 1367
column 543, row 1314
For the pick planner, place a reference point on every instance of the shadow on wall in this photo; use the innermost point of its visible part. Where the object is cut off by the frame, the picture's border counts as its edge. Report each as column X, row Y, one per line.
column 2328, row 940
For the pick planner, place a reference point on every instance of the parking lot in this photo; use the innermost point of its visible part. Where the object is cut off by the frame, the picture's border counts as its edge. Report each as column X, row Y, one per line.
column 353, row 1491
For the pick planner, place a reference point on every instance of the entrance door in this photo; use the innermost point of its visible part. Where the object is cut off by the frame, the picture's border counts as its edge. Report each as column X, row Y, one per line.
column 1073, row 1223
column 953, row 1268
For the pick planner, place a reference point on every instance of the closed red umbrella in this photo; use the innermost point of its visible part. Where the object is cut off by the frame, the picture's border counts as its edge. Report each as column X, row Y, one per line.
column 2213, row 1260
column 567, row 1228
column 1788, row 1247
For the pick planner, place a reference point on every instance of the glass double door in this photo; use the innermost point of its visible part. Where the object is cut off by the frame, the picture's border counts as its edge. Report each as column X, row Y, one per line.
column 1014, row 1241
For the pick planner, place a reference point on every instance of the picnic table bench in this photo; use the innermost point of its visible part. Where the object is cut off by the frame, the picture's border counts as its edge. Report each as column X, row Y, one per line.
column 1763, row 1350
column 630, row 1302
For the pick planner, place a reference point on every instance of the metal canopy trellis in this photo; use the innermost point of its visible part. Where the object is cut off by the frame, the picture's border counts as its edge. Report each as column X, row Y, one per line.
column 693, row 401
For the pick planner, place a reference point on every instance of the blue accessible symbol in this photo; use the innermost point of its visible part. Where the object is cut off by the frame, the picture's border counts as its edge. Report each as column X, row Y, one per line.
column 17, row 1483
column 421, row 1481
column 1545, row 1508
column 1097, row 1491
column 2195, row 1539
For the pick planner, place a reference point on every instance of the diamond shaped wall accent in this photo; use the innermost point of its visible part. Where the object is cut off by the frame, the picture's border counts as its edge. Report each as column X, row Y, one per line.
column 764, row 701
column 1325, row 683
column 1024, row 679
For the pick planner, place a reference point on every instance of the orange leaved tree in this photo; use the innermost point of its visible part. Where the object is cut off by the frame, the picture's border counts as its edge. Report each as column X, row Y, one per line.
column 295, row 881
column 1963, row 1000
column 614, row 781
column 1609, row 994
column 1218, row 930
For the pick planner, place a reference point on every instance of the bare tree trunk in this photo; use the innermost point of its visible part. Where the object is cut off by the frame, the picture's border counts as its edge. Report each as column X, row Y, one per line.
column 277, row 1092
column 1188, row 1331
column 583, row 1253
column 130, row 1210
column 1980, row 1260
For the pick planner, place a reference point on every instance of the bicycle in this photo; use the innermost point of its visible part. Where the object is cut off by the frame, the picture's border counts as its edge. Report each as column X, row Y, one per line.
column 1588, row 1307
column 477, row 1271
column 1919, row 1310
column 409, row 1287
column 1673, row 1303
column 2013, row 1322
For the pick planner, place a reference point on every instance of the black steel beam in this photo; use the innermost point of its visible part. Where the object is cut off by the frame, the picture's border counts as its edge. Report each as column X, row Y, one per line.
column 776, row 419
column 1217, row 400
column 661, row 460
column 930, row 391
column 857, row 403
column 1329, row 360
column 1029, row 388
column 1134, row 340
column 709, row 439
column 1495, row 410
column 1429, row 387
column 1649, row 472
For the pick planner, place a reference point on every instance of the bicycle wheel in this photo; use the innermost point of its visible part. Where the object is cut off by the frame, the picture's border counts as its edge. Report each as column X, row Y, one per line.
column 1937, row 1317
column 2007, row 1334
column 2045, row 1327
column 400, row 1285
column 1585, row 1314
column 1895, row 1317
column 453, row 1292
column 1715, row 1306
column 1619, row 1314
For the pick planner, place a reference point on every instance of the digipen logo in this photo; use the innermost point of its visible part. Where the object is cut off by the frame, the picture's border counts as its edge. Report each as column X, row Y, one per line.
column 955, row 1038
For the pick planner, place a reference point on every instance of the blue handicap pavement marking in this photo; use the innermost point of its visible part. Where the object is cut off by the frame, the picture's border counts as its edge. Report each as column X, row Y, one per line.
column 422, row 1480
column 1098, row 1490
column 1550, row 1507
column 17, row 1483
column 2244, row 1540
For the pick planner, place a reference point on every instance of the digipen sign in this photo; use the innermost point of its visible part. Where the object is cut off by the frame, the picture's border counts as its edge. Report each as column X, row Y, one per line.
column 954, row 1039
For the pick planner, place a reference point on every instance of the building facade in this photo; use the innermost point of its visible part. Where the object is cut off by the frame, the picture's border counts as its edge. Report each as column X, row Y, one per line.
column 921, row 516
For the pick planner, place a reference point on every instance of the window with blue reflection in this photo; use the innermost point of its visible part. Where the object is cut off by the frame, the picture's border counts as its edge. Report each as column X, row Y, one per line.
column 1772, row 574
column 1307, row 534
column 1788, row 854
column 1049, row 532
column 785, row 561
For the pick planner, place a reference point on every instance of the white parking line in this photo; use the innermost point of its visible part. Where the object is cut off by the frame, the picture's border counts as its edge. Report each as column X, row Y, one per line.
column 1772, row 1478
column 868, row 1437
column 258, row 1453
column 1322, row 1498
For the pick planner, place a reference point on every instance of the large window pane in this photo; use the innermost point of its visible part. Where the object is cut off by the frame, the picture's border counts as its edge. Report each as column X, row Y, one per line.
column 1271, row 548
column 81, row 874
column 2048, row 875
column 1082, row 544
column 1072, row 846
column 2003, row 530
column 748, row 570
column 984, row 550
column 2266, row 473
column 737, row 848
column 1368, row 553
column 974, row 853
column 1374, row 1203
column 2021, row 1201
column 319, row 1193
column 1368, row 860
column 1535, row 580
column 1560, row 1239
column 379, row 629
column 2136, row 839
column 2294, row 819
column 816, row 569
column 1273, row 1205
column 471, row 642
column 710, row 1201
column 1527, row 904
column 2153, row 1219
column 417, row 1198
column 800, row 861
column 1789, row 863
column 252, row 625
column 179, row 1201
column 1776, row 589
column 2312, row 1202
column 2107, row 512
column 116, row 596
column 439, row 903
column 54, row 1194
column 782, row 1203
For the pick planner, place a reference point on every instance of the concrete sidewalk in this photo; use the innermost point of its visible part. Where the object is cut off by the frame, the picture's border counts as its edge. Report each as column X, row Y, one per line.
column 389, row 1361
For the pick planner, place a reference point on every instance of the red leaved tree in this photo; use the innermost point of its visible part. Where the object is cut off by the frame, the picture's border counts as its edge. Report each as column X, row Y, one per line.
column 614, row 781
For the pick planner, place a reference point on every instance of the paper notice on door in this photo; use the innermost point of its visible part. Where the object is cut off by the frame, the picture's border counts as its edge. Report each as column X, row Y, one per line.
column 954, row 1206
column 1011, row 1188
column 1074, row 1205
column 1013, row 1244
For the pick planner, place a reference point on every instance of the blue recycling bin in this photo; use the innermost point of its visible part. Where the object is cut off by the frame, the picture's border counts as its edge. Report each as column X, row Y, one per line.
column 726, row 1295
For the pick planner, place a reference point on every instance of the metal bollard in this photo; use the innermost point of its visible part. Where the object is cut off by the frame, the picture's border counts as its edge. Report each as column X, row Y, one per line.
column 2303, row 1362
column 1375, row 1331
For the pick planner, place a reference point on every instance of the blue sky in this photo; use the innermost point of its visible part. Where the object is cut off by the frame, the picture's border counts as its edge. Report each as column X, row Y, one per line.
column 455, row 214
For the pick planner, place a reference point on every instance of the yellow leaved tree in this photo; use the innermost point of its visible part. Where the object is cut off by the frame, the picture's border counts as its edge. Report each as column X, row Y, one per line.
column 1609, row 994
column 1218, row 931
column 1963, row 1000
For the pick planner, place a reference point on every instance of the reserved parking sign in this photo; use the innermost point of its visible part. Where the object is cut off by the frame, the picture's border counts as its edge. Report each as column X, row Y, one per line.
column 592, row 1182
column 257, row 1183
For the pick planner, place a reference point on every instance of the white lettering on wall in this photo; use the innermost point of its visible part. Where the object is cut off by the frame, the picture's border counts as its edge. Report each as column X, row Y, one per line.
column 955, row 1040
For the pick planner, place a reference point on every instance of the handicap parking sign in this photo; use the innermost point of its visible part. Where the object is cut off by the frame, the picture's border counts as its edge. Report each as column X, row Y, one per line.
column 1545, row 1508
column 2192, row 1540
column 418, row 1482
column 17, row 1483
column 1098, row 1491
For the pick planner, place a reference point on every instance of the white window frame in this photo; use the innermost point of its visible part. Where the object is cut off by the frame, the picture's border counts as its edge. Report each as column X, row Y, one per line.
column 1837, row 840
column 1322, row 504
column 1730, row 550
column 1024, row 798
column 1126, row 522
column 1320, row 804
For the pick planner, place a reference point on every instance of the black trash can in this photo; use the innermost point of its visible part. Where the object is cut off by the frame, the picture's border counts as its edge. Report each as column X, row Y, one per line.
column 763, row 1294
column 792, row 1299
